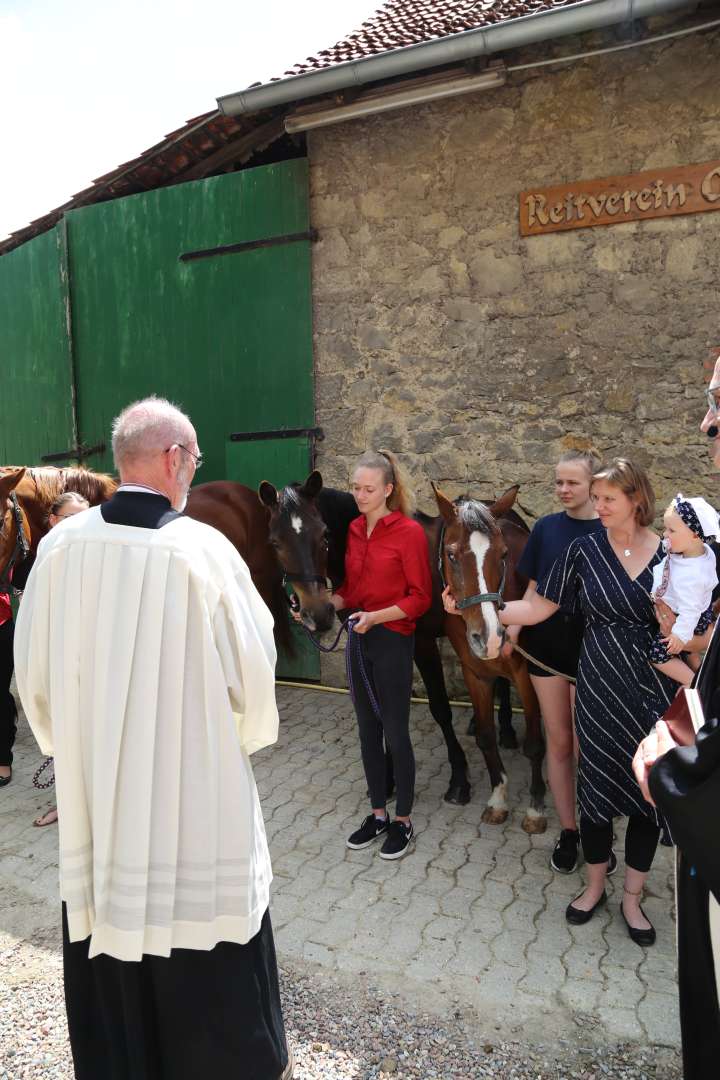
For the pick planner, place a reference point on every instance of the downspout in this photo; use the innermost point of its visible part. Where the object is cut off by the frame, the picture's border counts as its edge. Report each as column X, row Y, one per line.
column 527, row 30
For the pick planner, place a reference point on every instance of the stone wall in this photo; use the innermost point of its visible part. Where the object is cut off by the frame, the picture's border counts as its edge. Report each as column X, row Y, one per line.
column 480, row 355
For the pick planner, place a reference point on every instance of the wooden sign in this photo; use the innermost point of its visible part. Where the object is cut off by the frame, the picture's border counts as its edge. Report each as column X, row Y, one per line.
column 683, row 189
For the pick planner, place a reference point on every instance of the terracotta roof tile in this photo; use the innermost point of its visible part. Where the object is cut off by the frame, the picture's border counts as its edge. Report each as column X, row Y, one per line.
column 400, row 23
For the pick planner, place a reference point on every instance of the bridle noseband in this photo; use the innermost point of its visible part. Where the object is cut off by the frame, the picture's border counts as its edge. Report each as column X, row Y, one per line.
column 495, row 598
column 22, row 545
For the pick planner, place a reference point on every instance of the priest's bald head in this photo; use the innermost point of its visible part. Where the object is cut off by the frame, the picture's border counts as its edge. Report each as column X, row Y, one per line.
column 711, row 423
column 155, row 445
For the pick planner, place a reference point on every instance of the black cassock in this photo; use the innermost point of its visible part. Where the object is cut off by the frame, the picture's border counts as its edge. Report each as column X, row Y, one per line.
column 193, row 1015
column 685, row 785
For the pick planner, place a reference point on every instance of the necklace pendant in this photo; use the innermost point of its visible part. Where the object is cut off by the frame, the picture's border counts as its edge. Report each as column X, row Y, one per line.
column 627, row 553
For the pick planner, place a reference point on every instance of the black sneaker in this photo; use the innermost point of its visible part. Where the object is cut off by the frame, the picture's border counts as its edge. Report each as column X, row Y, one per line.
column 564, row 858
column 368, row 832
column 399, row 839
column 612, row 864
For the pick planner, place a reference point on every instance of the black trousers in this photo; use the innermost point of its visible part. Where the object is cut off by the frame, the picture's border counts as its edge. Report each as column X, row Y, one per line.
column 641, row 841
column 387, row 660
column 194, row 1015
column 8, row 709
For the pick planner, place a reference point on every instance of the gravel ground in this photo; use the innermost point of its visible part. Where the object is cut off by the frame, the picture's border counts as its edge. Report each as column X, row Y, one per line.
column 338, row 1032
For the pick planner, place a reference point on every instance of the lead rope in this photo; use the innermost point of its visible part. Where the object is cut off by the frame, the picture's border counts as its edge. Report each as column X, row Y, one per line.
column 353, row 644
column 539, row 663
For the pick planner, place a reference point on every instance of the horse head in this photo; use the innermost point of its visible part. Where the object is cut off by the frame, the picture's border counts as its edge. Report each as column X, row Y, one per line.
column 298, row 534
column 15, row 530
column 473, row 561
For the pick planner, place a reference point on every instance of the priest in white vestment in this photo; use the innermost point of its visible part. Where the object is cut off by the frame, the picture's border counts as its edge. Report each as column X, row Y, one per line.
column 145, row 663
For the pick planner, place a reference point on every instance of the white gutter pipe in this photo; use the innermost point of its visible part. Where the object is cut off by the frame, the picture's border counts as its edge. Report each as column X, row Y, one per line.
column 457, row 48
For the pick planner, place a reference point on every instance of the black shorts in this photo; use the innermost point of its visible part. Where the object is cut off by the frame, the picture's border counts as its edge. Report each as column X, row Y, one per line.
column 556, row 642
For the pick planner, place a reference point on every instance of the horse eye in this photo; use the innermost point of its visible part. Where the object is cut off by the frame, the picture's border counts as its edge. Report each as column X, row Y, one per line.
column 452, row 556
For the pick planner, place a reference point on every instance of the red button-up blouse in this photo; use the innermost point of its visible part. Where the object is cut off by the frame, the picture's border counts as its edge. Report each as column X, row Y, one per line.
column 391, row 567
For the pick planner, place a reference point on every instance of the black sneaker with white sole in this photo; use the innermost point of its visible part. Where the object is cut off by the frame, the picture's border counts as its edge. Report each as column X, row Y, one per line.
column 564, row 858
column 371, row 828
column 399, row 839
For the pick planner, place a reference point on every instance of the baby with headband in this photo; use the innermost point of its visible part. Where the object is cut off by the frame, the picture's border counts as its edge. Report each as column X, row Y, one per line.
column 685, row 580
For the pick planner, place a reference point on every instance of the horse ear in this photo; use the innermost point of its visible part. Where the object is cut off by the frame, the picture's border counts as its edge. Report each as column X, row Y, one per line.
column 447, row 508
column 9, row 482
column 505, row 503
column 313, row 485
column 267, row 494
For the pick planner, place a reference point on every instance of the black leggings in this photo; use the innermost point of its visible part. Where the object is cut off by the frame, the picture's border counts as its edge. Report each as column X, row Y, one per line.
column 8, row 709
column 641, row 841
column 387, row 657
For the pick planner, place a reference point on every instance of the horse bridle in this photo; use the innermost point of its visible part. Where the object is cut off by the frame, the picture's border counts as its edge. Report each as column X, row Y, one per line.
column 495, row 598
column 22, row 545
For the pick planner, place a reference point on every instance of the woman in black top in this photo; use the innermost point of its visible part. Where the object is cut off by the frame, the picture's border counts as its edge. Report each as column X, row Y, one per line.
column 556, row 642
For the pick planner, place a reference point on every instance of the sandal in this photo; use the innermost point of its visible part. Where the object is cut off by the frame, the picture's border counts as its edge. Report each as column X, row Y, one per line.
column 47, row 818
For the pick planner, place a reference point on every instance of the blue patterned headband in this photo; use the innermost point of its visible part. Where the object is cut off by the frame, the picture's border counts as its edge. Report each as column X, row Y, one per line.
column 686, row 511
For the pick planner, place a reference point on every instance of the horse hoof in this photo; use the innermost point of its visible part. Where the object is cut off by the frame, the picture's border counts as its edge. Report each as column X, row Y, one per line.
column 491, row 816
column 533, row 825
column 458, row 794
column 472, row 726
column 508, row 740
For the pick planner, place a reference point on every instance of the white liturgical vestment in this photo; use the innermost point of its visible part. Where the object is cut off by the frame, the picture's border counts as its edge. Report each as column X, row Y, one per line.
column 145, row 663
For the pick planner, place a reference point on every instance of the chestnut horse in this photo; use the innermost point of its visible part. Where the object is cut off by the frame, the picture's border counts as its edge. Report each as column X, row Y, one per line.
column 33, row 491
column 478, row 552
column 232, row 508
column 308, row 528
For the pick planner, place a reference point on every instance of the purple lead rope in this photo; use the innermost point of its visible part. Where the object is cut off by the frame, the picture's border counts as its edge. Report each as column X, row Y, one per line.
column 353, row 645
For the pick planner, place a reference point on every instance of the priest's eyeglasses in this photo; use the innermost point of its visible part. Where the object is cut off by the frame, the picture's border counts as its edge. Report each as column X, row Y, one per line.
column 713, row 400
column 197, row 458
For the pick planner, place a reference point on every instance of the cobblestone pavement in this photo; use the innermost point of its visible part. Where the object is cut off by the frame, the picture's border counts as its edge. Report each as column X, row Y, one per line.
column 474, row 916
column 470, row 925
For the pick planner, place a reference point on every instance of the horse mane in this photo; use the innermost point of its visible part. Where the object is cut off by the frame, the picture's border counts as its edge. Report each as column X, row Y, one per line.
column 470, row 509
column 51, row 482
column 475, row 515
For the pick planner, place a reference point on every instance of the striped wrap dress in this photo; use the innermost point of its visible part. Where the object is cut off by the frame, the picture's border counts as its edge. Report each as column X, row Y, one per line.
column 619, row 694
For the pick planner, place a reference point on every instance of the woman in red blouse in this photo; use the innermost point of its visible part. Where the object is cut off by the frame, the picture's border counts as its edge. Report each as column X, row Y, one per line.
column 387, row 582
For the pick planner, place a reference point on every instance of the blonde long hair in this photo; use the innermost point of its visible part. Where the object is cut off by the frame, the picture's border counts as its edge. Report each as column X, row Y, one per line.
column 401, row 497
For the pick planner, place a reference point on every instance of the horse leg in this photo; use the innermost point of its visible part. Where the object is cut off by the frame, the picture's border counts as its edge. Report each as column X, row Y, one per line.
column 508, row 738
column 535, row 820
column 429, row 664
column 481, row 693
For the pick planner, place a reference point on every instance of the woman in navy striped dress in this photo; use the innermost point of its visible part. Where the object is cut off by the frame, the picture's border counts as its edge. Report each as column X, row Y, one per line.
column 619, row 694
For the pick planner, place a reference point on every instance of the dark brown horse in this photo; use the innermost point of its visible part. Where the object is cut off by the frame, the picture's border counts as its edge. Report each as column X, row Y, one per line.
column 236, row 512
column 308, row 527
column 231, row 508
column 479, row 549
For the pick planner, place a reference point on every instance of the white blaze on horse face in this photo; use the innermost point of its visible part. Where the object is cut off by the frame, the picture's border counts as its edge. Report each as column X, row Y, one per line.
column 296, row 522
column 479, row 545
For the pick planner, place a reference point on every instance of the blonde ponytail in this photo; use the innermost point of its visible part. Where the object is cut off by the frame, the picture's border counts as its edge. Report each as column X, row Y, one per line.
column 401, row 497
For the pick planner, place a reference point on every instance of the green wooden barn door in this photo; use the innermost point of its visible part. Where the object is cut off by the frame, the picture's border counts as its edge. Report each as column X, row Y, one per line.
column 36, row 353
column 200, row 293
